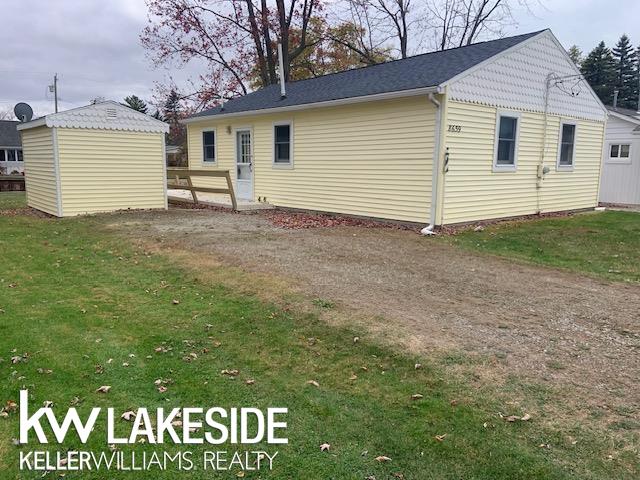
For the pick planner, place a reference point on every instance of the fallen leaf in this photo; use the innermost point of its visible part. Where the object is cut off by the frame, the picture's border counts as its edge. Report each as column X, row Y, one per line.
column 382, row 459
column 99, row 369
column 440, row 438
column 44, row 371
column 356, row 339
column 128, row 415
column 162, row 389
column 125, row 364
column 10, row 406
column 230, row 373
column 313, row 382
column 250, row 381
column 240, row 474
column 353, row 377
column 175, row 301
column 325, row 447
column 525, row 418
column 416, row 396
column 104, row 389
column 418, row 366
column 47, row 404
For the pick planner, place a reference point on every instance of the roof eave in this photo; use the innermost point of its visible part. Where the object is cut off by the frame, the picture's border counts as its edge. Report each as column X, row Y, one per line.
column 329, row 103
column 624, row 117
column 38, row 122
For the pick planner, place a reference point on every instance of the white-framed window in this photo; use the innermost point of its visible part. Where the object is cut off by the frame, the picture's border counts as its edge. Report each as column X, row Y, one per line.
column 209, row 147
column 283, row 144
column 619, row 153
column 567, row 146
column 11, row 155
column 505, row 158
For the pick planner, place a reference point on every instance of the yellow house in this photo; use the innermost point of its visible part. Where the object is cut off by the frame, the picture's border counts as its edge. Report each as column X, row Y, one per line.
column 98, row 158
column 495, row 129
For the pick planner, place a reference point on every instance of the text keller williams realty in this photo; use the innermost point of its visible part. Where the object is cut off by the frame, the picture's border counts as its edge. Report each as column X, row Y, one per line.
column 214, row 426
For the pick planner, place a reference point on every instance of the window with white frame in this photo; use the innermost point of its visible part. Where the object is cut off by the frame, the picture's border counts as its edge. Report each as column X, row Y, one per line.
column 282, row 144
column 620, row 152
column 567, row 145
column 506, row 149
column 209, row 146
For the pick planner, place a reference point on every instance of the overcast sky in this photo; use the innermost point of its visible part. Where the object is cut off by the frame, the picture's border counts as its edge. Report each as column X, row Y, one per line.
column 95, row 48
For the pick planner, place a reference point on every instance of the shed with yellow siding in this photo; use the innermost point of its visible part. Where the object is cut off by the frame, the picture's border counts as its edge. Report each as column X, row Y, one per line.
column 99, row 158
column 491, row 130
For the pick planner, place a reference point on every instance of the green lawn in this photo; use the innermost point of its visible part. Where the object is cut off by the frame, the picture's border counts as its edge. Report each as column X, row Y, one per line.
column 81, row 303
column 10, row 200
column 605, row 244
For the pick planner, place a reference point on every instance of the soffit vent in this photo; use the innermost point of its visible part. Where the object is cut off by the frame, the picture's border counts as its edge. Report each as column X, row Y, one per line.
column 112, row 113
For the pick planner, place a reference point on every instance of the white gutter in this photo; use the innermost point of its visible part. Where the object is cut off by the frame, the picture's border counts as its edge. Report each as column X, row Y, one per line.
column 329, row 103
column 435, row 168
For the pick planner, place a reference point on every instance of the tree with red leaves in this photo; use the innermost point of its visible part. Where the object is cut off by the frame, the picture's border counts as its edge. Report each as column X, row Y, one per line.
column 236, row 39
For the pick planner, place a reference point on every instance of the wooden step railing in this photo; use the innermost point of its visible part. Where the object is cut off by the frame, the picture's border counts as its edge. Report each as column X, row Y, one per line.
column 178, row 174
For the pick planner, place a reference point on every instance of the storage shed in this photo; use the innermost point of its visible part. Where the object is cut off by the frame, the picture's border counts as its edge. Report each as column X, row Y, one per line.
column 98, row 158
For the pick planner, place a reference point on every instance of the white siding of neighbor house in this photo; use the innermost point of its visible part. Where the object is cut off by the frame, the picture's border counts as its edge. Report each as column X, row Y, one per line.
column 621, row 180
column 40, row 169
column 371, row 159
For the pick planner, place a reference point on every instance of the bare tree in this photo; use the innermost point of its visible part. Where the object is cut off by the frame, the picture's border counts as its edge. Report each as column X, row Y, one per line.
column 7, row 114
column 456, row 23
column 384, row 22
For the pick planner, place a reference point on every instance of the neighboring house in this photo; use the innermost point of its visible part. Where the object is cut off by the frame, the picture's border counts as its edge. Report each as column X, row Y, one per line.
column 174, row 156
column 440, row 138
column 10, row 149
column 621, row 164
column 98, row 158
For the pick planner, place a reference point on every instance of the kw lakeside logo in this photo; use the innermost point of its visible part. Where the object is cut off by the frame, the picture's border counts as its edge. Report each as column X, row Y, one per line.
column 176, row 426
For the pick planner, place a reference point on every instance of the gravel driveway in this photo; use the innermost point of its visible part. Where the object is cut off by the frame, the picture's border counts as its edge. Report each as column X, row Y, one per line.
column 560, row 329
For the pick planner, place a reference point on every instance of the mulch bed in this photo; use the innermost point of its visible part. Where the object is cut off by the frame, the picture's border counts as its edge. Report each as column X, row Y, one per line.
column 480, row 225
column 301, row 220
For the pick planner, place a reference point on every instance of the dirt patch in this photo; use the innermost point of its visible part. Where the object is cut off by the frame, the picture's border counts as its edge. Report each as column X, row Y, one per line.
column 484, row 316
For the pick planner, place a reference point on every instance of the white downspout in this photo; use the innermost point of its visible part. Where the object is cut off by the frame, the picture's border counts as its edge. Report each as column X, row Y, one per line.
column 435, row 170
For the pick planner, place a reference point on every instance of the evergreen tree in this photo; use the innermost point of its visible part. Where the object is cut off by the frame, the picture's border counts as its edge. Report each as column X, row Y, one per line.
column 599, row 70
column 575, row 54
column 136, row 103
column 625, row 72
column 172, row 112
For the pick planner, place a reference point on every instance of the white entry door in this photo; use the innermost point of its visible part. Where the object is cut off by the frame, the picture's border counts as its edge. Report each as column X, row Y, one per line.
column 244, row 165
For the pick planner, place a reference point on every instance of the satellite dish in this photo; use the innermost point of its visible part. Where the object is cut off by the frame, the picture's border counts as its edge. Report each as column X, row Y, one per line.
column 23, row 111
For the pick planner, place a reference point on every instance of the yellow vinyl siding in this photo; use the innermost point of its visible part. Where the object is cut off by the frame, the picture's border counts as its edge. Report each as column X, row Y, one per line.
column 371, row 159
column 105, row 170
column 40, row 173
column 472, row 191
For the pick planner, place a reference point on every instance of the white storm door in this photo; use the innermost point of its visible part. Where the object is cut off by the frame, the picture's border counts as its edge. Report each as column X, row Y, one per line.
column 244, row 165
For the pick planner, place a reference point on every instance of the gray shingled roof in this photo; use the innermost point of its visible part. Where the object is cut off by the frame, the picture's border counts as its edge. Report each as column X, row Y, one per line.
column 9, row 136
column 421, row 71
column 634, row 114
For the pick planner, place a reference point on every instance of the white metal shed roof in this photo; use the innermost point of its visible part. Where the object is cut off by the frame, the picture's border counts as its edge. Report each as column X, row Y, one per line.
column 107, row 115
